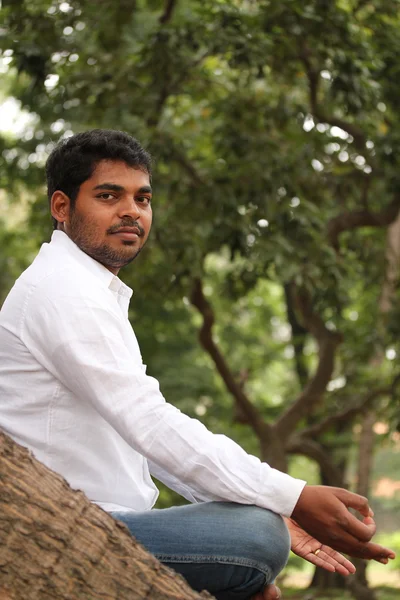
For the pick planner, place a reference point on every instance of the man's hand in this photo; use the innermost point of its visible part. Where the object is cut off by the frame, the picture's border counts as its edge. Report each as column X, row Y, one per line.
column 307, row 547
column 270, row 592
column 323, row 512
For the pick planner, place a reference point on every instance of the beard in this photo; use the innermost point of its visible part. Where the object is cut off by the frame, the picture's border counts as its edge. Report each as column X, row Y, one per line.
column 84, row 234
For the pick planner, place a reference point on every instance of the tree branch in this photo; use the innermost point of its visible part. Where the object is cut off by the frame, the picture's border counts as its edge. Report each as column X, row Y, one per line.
column 298, row 335
column 313, row 392
column 306, row 447
column 254, row 418
column 187, row 166
column 167, row 14
column 176, row 154
column 313, row 75
column 348, row 221
column 172, row 85
column 346, row 415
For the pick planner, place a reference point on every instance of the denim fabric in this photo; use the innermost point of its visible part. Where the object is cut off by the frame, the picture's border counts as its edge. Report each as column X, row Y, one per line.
column 231, row 550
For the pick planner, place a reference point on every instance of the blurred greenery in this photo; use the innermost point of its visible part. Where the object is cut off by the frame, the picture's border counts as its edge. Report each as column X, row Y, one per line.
column 392, row 540
column 276, row 134
column 383, row 593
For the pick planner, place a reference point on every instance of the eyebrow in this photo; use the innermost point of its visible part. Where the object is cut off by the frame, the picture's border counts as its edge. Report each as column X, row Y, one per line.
column 146, row 189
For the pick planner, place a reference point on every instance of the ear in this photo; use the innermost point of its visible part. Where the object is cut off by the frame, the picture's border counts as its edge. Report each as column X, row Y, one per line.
column 60, row 206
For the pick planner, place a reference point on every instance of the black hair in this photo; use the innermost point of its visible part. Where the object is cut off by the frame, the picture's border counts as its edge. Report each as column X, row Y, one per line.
column 74, row 159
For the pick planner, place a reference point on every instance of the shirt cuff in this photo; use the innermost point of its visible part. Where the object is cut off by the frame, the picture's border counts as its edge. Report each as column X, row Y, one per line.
column 280, row 492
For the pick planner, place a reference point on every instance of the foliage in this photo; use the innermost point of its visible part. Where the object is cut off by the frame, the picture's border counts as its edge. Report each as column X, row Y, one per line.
column 392, row 540
column 383, row 593
column 273, row 124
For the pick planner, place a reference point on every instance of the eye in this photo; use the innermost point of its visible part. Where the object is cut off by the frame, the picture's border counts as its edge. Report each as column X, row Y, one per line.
column 143, row 200
column 106, row 196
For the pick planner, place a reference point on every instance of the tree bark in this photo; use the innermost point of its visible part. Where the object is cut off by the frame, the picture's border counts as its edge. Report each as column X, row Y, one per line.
column 56, row 545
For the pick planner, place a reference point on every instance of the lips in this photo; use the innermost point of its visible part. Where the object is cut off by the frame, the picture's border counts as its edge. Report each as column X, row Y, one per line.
column 129, row 230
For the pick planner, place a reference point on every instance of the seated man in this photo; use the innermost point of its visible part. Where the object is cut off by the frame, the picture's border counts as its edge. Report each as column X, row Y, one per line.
column 74, row 390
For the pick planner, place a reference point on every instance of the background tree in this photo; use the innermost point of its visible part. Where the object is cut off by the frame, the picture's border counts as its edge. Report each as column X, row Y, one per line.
column 276, row 134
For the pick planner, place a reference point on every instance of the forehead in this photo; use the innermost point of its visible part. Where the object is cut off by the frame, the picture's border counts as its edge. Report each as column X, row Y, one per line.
column 118, row 172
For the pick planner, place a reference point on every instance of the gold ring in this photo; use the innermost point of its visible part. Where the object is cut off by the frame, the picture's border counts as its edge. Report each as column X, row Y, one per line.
column 317, row 551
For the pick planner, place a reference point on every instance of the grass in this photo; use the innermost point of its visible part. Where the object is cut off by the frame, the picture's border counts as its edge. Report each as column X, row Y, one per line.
column 385, row 581
column 382, row 593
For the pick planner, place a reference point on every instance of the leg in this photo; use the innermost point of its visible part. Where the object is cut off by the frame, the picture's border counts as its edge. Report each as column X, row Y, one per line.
column 231, row 550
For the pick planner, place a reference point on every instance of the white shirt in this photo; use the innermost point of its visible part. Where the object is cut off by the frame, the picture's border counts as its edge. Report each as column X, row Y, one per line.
column 74, row 390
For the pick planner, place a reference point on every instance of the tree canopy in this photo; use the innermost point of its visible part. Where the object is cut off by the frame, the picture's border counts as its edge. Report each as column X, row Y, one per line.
column 275, row 132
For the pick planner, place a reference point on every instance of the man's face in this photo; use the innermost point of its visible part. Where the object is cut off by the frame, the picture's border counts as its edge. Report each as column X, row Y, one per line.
column 112, row 216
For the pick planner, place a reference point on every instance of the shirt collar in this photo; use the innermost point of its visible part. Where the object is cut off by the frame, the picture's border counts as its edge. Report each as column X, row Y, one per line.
column 59, row 239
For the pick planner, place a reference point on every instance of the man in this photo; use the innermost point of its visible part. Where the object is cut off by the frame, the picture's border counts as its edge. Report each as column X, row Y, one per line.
column 74, row 390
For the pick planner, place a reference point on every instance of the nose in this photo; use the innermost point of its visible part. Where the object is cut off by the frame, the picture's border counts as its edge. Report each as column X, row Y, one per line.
column 128, row 208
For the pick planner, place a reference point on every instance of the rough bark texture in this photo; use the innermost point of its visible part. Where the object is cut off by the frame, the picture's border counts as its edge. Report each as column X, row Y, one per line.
column 56, row 545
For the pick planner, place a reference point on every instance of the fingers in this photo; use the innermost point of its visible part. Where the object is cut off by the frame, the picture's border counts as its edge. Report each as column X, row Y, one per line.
column 339, row 538
column 320, row 561
column 361, row 530
column 332, row 561
column 270, row 592
column 352, row 500
column 386, row 554
column 323, row 513
column 369, row 550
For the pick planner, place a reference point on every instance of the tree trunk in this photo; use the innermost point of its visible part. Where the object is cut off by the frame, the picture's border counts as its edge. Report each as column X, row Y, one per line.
column 273, row 451
column 56, row 545
column 324, row 580
column 358, row 583
column 360, row 590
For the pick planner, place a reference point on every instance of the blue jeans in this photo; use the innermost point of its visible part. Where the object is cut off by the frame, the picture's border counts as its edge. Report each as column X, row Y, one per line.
column 230, row 550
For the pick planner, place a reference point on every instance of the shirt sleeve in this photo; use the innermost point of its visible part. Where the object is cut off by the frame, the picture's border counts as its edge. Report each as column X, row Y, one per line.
column 174, row 484
column 80, row 340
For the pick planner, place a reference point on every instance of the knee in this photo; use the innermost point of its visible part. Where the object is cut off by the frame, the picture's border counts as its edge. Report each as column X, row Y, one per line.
column 270, row 538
